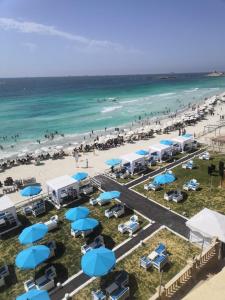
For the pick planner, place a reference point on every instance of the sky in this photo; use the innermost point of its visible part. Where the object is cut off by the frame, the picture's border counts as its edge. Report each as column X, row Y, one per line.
column 109, row 37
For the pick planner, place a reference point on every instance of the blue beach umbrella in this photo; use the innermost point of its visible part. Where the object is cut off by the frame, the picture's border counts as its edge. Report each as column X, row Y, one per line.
column 80, row 176
column 31, row 257
column 164, row 178
column 98, row 262
column 109, row 195
column 113, row 162
column 142, row 152
column 84, row 224
column 166, row 142
column 30, row 191
column 77, row 213
column 187, row 135
column 33, row 233
column 34, row 295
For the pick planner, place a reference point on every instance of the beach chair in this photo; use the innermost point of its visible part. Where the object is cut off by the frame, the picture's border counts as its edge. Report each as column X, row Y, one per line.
column 4, row 272
column 204, row 156
column 98, row 295
column 152, row 186
column 97, row 243
column 52, row 223
column 93, row 201
column 121, row 293
column 29, row 284
column 188, row 165
column 191, row 185
column 160, row 261
column 177, row 196
column 52, row 246
column 161, row 249
column 116, row 210
column 77, row 233
column 130, row 226
column 145, row 262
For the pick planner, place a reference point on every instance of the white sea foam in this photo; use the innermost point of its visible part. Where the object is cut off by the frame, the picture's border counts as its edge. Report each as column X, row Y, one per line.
column 164, row 94
column 130, row 101
column 110, row 109
column 191, row 90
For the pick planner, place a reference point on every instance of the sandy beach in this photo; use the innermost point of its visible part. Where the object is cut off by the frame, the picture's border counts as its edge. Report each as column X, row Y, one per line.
column 96, row 161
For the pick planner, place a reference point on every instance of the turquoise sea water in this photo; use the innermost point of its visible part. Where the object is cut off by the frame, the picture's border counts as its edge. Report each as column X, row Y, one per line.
column 74, row 105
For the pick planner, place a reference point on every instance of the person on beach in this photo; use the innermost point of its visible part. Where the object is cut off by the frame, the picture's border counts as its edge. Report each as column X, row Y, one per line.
column 86, row 163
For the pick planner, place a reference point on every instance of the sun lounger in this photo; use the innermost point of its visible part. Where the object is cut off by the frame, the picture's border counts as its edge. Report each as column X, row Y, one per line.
column 93, row 201
column 188, row 165
column 130, row 226
column 204, row 156
column 152, row 186
column 173, row 195
column 120, row 294
column 98, row 242
column 161, row 249
column 116, row 210
column 52, row 246
column 45, row 283
column 29, row 285
column 78, row 233
column 52, row 223
column 4, row 272
column 98, row 295
column 160, row 261
column 191, row 185
column 145, row 262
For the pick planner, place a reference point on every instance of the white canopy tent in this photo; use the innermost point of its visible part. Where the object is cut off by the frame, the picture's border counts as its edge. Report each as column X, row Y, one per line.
column 61, row 188
column 160, row 149
column 8, row 215
column 133, row 160
column 182, row 141
column 206, row 225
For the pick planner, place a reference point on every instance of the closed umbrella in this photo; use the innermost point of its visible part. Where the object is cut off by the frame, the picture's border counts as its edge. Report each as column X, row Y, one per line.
column 84, row 224
column 80, row 176
column 77, row 213
column 33, row 233
column 31, row 257
column 98, row 262
column 34, row 295
column 113, row 162
column 31, row 191
column 164, row 178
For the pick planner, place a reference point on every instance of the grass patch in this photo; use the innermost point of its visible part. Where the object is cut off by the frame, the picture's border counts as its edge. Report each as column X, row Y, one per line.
column 143, row 283
column 210, row 195
column 67, row 260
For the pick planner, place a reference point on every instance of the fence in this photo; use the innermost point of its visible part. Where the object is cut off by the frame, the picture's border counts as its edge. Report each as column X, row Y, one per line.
column 189, row 273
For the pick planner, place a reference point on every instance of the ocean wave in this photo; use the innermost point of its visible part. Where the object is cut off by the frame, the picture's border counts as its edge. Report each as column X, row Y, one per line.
column 110, row 109
column 164, row 94
column 191, row 90
column 104, row 118
column 130, row 101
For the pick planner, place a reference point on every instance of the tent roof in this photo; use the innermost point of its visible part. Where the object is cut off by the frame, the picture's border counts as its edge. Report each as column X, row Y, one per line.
column 61, row 182
column 209, row 223
column 131, row 157
column 182, row 140
column 5, row 203
column 159, row 147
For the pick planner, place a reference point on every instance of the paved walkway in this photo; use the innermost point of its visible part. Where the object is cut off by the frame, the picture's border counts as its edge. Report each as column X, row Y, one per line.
column 148, row 208
column 82, row 278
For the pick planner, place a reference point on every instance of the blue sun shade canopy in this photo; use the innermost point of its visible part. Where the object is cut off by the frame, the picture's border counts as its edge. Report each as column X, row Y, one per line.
column 31, row 257
column 98, row 262
column 77, row 213
column 113, row 162
column 30, row 191
column 33, row 233
column 142, row 152
column 166, row 142
column 164, row 178
column 84, row 224
column 80, row 176
column 34, row 295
